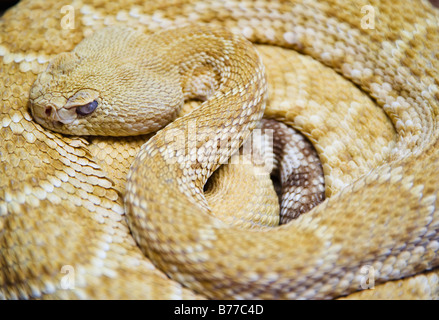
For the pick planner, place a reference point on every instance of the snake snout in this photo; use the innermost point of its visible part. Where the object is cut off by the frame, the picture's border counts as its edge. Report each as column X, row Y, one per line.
column 49, row 115
column 48, row 111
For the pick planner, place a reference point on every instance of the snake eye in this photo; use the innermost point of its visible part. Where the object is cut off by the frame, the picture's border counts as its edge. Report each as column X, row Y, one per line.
column 86, row 109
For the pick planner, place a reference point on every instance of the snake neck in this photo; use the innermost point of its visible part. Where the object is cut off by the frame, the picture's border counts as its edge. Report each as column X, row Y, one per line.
column 203, row 70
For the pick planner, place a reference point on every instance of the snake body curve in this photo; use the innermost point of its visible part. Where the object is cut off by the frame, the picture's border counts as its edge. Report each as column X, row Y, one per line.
column 364, row 224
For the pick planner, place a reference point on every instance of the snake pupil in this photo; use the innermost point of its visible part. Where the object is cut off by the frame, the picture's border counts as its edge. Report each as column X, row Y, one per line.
column 86, row 109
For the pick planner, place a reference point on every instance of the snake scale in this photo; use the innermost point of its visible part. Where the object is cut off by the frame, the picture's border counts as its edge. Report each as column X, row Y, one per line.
column 367, row 99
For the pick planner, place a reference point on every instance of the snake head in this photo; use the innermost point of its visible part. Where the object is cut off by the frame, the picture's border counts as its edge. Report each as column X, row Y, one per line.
column 56, row 109
column 106, row 86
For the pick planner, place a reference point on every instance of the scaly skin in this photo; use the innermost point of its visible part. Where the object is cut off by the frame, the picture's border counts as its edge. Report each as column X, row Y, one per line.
column 58, row 207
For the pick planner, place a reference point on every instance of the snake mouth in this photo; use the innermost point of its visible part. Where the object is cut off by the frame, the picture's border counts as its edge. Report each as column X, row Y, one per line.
column 49, row 116
column 50, row 124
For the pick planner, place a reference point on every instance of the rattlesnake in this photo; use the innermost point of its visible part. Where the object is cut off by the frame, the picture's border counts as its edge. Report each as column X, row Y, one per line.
column 60, row 211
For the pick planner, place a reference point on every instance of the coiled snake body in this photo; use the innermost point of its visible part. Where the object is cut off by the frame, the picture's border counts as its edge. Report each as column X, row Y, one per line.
column 379, row 156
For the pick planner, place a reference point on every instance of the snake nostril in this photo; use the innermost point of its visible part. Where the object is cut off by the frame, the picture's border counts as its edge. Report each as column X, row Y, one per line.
column 48, row 111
